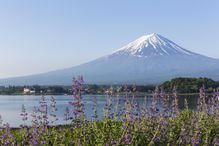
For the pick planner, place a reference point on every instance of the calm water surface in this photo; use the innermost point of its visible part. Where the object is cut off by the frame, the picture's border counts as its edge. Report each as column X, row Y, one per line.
column 10, row 106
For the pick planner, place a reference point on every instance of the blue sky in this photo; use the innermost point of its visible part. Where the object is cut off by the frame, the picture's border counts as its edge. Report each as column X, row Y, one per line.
column 43, row 35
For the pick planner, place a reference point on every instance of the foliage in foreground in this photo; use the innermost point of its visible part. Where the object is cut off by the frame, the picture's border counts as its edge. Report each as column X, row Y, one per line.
column 123, row 123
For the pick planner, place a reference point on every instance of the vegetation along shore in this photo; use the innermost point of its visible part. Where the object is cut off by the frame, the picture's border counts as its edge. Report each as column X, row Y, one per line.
column 132, row 125
column 188, row 86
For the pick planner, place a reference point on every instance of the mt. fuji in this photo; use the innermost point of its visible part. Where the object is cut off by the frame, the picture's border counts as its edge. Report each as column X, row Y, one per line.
column 149, row 59
column 152, row 45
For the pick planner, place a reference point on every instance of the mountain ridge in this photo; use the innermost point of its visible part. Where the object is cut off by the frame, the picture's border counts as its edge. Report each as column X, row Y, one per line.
column 149, row 59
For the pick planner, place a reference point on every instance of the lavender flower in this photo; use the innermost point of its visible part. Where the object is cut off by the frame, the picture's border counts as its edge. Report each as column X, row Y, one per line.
column 108, row 105
column 53, row 110
column 164, row 104
column 154, row 109
column 126, row 121
column 113, row 142
column 94, row 108
column 67, row 115
column 35, row 122
column 175, row 108
column 76, row 103
column 201, row 105
column 35, row 131
column 24, row 116
column 7, row 139
column 43, row 110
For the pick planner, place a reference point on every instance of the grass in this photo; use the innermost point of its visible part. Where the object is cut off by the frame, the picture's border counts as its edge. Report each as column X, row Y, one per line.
column 130, row 124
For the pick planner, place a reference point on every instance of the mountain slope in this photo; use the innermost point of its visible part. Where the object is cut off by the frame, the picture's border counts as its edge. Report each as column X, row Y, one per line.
column 147, row 60
column 152, row 45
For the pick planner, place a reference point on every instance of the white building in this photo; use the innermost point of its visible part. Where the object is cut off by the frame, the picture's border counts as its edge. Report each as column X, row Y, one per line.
column 26, row 90
column 29, row 91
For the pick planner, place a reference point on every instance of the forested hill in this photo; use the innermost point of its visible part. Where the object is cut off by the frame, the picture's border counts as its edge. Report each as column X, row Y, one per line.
column 190, row 85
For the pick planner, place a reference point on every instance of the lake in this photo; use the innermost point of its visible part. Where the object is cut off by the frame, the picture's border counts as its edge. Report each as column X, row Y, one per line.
column 10, row 106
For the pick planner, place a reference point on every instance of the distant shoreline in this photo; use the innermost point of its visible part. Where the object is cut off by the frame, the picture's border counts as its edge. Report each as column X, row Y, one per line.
column 121, row 94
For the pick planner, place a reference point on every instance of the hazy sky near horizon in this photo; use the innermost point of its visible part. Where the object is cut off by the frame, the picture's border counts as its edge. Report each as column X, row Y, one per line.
column 43, row 35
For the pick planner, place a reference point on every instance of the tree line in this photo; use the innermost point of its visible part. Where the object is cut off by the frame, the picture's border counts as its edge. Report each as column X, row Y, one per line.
column 190, row 85
column 183, row 85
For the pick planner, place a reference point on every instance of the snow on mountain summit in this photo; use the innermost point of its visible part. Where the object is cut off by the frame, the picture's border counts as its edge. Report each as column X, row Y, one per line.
column 150, row 59
column 152, row 45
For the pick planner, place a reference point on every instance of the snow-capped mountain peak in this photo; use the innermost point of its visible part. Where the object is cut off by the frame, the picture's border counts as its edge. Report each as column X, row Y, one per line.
column 150, row 59
column 152, row 45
